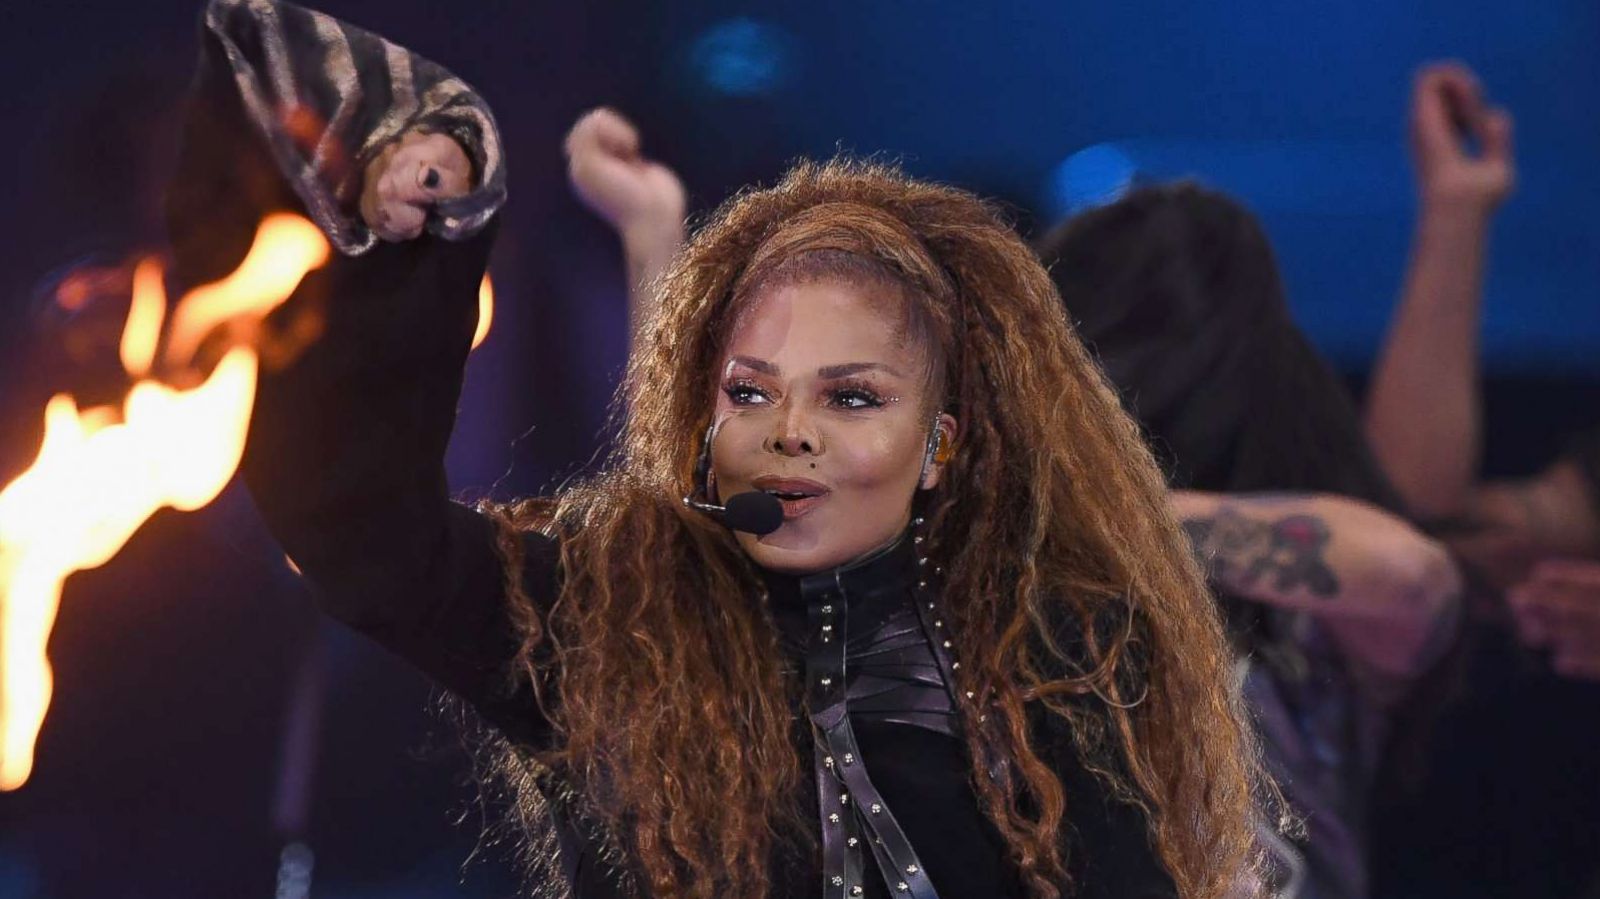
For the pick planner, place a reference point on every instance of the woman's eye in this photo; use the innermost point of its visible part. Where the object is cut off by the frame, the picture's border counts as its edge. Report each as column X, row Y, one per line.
column 856, row 398
column 742, row 394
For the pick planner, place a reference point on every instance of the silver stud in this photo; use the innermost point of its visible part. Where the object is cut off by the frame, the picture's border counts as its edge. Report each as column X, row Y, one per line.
column 827, row 628
column 876, row 809
column 827, row 610
column 930, row 606
column 838, row 881
column 947, row 644
column 982, row 718
column 833, row 818
column 922, row 585
column 844, row 798
column 938, row 569
column 954, row 665
column 901, row 886
column 829, row 760
column 922, row 561
column 917, row 521
column 849, row 758
column 852, row 842
column 825, row 638
column 827, row 682
column 917, row 539
column 970, row 695
column 855, row 891
column 911, row 869
column 939, row 623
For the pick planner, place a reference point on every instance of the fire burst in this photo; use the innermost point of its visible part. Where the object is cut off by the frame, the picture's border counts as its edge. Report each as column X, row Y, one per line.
column 101, row 472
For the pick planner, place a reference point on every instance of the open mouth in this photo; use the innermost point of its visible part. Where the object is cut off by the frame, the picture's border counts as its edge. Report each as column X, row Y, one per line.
column 797, row 495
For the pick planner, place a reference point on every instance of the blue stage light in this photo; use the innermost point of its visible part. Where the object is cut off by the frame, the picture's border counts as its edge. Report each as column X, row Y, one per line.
column 741, row 57
column 1096, row 175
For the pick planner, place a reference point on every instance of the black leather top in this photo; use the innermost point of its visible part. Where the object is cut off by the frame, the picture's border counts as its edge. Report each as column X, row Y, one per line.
column 869, row 658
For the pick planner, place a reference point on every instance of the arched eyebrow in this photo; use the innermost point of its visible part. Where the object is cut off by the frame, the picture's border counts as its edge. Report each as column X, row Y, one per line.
column 754, row 364
column 843, row 370
column 854, row 368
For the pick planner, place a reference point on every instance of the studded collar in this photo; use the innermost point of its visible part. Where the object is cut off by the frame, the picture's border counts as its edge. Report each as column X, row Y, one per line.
column 873, row 648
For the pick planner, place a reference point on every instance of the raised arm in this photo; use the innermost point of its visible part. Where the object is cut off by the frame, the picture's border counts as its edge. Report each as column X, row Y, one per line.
column 346, row 445
column 639, row 197
column 1387, row 593
column 1422, row 410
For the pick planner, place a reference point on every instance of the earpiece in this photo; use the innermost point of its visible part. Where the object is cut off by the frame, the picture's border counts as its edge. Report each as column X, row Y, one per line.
column 705, row 483
column 940, row 447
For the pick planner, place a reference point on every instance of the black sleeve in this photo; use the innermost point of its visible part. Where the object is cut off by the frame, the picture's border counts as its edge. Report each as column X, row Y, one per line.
column 1107, row 838
column 1110, row 853
column 346, row 446
column 326, row 97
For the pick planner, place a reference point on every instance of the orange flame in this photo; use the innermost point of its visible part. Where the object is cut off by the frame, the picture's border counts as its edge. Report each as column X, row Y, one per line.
column 100, row 473
column 485, row 310
column 267, row 276
column 143, row 330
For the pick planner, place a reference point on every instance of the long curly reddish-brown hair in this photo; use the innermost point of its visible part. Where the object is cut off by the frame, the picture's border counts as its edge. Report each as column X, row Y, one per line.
column 662, row 672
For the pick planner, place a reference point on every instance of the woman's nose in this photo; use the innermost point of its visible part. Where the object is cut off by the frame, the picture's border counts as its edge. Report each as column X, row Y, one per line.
column 792, row 445
column 794, row 438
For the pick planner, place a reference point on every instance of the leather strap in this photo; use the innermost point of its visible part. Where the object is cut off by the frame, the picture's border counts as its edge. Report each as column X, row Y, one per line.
column 852, row 810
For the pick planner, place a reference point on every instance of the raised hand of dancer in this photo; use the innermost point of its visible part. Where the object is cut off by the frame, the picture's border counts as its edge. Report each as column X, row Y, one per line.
column 402, row 183
column 1558, row 608
column 636, row 195
column 1449, row 114
column 639, row 197
column 1423, row 416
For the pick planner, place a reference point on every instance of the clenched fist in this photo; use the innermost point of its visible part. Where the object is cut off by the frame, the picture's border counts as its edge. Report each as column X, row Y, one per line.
column 639, row 197
column 408, row 178
column 1447, row 110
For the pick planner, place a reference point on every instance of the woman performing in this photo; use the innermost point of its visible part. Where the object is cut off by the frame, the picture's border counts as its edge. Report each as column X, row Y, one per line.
column 1340, row 603
column 972, row 656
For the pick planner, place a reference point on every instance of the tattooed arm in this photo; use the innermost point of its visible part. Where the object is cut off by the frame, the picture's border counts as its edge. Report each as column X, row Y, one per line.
column 1387, row 593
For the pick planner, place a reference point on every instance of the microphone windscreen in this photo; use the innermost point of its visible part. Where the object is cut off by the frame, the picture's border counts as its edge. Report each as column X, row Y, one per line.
column 753, row 512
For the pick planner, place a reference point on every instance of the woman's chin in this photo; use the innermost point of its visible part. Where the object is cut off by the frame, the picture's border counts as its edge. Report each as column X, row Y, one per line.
column 787, row 551
column 791, row 550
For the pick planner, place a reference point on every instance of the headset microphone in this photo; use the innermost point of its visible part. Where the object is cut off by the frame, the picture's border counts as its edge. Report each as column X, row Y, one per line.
column 753, row 512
